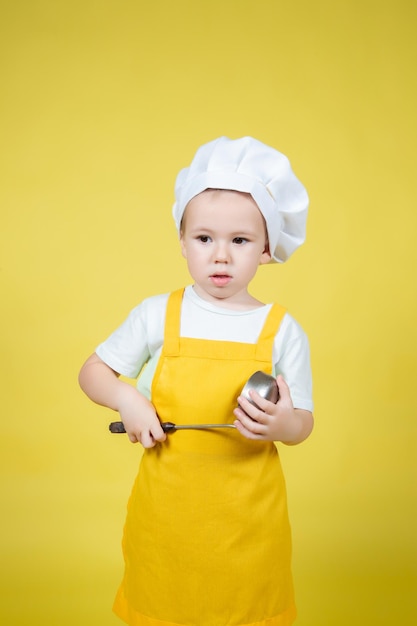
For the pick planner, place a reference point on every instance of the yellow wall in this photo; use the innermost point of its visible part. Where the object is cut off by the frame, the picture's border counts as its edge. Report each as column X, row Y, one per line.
column 102, row 102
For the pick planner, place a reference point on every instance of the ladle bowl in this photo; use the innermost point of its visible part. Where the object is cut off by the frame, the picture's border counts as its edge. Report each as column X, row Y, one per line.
column 264, row 384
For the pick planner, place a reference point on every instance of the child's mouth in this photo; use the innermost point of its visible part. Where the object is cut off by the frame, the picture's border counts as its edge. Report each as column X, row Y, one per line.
column 220, row 280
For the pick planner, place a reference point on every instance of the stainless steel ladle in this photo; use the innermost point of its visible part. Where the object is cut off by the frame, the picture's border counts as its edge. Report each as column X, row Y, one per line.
column 264, row 384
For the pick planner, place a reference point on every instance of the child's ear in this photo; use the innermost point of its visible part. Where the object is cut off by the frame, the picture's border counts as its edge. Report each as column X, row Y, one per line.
column 265, row 256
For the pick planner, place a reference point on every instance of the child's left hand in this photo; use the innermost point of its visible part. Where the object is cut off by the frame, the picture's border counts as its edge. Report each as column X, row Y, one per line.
column 273, row 422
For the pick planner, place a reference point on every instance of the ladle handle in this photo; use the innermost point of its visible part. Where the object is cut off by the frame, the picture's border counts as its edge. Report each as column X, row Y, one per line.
column 170, row 427
column 118, row 427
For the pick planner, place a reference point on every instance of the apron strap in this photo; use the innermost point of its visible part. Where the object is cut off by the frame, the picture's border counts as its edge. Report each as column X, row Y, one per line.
column 268, row 332
column 171, row 345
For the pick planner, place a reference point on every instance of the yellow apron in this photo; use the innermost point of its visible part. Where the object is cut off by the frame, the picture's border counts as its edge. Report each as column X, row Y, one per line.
column 207, row 540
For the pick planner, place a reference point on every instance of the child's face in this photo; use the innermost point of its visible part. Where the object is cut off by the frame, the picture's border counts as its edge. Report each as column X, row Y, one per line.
column 223, row 238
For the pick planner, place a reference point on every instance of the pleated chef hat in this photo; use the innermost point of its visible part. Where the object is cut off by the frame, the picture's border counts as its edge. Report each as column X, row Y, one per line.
column 250, row 166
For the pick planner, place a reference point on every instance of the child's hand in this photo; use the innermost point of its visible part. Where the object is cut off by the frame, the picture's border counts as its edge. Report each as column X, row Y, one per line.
column 103, row 385
column 273, row 422
column 139, row 418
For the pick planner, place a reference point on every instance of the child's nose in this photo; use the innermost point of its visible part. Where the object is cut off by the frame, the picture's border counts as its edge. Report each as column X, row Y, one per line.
column 222, row 253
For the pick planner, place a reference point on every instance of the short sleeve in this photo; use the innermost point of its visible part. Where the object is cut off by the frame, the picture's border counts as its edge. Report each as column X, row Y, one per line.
column 292, row 361
column 133, row 343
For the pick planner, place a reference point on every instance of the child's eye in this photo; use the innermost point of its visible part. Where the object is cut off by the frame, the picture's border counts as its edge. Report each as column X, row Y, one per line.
column 204, row 238
column 239, row 240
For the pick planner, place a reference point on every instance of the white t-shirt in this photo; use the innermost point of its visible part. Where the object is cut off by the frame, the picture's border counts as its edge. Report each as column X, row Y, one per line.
column 138, row 341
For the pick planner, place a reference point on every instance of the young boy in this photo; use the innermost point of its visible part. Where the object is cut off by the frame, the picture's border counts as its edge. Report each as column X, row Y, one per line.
column 207, row 539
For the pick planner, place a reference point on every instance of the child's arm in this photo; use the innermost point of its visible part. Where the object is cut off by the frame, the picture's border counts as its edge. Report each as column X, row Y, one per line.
column 103, row 386
column 273, row 422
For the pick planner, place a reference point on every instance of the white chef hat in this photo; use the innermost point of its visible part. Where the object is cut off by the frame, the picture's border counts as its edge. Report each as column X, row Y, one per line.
column 250, row 166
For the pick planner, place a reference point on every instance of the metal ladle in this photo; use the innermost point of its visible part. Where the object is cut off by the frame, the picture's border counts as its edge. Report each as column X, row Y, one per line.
column 264, row 384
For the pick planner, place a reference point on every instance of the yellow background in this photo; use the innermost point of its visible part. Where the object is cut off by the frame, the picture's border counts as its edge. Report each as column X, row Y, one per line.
column 102, row 103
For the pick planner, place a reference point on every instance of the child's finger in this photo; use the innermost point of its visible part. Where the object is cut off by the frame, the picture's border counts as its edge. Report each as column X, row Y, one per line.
column 247, row 428
column 147, row 439
column 157, row 432
column 255, row 412
column 253, row 425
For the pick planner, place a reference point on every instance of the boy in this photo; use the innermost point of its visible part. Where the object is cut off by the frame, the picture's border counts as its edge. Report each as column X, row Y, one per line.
column 207, row 540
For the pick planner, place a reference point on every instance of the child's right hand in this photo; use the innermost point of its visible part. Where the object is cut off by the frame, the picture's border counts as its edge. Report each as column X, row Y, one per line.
column 103, row 385
column 140, row 419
